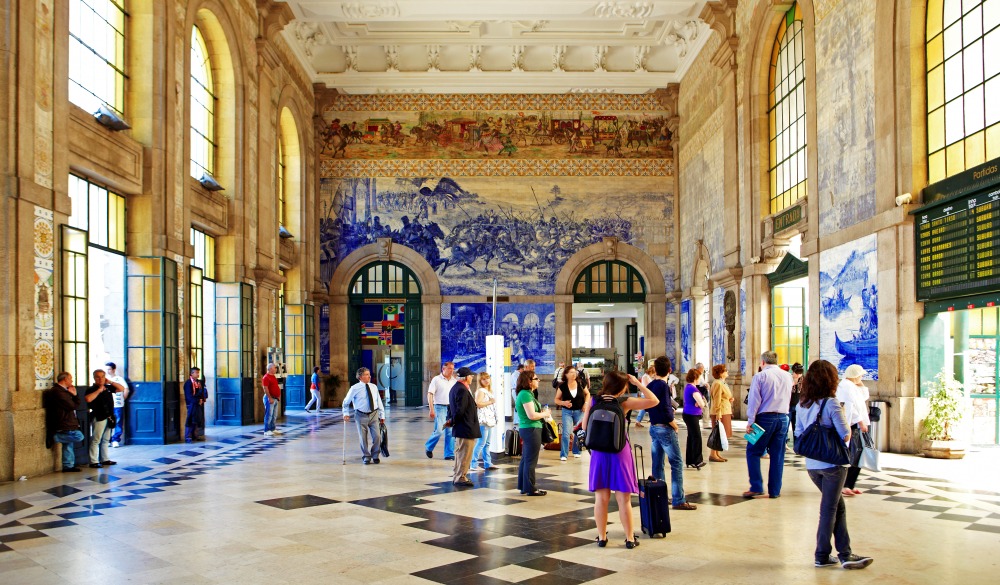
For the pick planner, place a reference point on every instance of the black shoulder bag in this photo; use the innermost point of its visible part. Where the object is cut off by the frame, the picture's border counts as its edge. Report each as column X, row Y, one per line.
column 822, row 443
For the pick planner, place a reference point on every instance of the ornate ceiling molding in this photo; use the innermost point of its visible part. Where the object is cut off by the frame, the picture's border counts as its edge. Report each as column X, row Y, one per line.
column 514, row 46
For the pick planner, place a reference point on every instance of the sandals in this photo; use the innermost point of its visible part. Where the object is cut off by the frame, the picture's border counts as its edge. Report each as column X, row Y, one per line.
column 602, row 543
column 630, row 544
column 537, row 493
column 685, row 506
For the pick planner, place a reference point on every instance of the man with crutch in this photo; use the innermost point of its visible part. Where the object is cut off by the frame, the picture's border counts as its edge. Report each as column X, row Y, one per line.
column 368, row 413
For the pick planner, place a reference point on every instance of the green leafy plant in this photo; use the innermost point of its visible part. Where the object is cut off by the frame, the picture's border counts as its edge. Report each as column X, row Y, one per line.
column 945, row 394
column 330, row 383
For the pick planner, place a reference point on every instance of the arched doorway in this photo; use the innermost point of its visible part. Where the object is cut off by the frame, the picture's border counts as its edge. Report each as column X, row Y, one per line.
column 385, row 329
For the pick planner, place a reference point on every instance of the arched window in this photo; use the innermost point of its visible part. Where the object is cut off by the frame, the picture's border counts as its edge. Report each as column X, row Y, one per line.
column 787, row 113
column 609, row 280
column 280, row 179
column 97, row 54
column 963, row 85
column 202, row 108
column 385, row 279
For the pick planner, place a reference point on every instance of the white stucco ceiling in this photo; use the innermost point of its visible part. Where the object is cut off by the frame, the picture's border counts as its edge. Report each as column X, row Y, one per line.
column 510, row 46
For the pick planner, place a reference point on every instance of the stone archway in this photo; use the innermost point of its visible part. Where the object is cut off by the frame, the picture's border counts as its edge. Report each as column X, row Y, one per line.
column 430, row 301
column 612, row 249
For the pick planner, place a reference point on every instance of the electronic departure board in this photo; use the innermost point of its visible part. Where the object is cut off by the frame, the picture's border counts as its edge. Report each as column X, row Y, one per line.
column 958, row 246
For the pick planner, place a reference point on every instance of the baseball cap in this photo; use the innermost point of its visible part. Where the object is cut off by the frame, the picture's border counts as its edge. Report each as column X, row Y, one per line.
column 465, row 372
column 111, row 365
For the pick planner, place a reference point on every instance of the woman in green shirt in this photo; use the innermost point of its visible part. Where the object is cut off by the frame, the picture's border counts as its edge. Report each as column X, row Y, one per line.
column 529, row 427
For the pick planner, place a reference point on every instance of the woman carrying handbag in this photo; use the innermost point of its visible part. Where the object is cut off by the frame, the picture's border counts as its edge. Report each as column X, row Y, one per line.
column 818, row 404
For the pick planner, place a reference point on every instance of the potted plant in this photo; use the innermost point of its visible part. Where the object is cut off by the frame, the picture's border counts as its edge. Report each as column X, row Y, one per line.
column 944, row 414
column 330, row 384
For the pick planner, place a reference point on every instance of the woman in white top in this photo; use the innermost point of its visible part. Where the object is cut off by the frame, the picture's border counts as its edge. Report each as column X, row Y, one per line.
column 487, row 412
column 645, row 379
column 851, row 392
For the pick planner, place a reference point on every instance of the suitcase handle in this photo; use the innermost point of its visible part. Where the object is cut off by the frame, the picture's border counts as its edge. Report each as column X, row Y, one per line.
column 637, row 457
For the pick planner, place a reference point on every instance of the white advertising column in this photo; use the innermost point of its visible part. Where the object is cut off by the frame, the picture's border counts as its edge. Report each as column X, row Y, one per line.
column 501, row 393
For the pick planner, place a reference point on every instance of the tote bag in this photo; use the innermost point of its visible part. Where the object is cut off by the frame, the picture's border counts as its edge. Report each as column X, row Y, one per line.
column 822, row 443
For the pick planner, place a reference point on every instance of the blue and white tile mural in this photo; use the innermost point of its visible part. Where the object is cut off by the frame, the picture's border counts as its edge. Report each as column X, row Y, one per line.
column 687, row 349
column 718, row 326
column 324, row 338
column 528, row 330
column 671, row 335
column 848, row 291
column 743, row 327
column 471, row 230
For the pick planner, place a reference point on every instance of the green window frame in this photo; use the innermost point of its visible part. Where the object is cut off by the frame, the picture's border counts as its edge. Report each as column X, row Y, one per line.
column 100, row 212
column 385, row 280
column 300, row 338
column 233, row 330
column 152, row 319
column 787, row 169
column 609, row 281
column 963, row 85
column 75, row 309
column 196, row 323
column 204, row 253
column 202, row 108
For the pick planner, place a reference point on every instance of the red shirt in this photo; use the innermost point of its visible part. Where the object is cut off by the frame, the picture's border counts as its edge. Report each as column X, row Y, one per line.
column 271, row 384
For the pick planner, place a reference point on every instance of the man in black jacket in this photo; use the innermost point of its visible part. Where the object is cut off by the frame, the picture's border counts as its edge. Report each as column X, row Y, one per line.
column 464, row 424
column 62, row 426
column 100, row 398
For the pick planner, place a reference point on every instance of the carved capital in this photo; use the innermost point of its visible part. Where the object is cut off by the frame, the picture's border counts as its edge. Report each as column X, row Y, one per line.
column 720, row 15
column 274, row 17
column 384, row 248
column 267, row 278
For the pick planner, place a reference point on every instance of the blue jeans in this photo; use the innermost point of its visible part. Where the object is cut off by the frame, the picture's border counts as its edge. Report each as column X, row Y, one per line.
column 640, row 416
column 664, row 441
column 773, row 442
column 481, row 450
column 270, row 413
column 569, row 420
column 832, row 512
column 116, row 435
column 440, row 414
column 68, row 440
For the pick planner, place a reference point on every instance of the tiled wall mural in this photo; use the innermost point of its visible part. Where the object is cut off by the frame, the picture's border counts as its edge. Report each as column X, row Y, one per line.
column 687, row 348
column 718, row 326
column 845, row 84
column 849, row 306
column 743, row 327
column 528, row 330
column 45, row 296
column 472, row 230
column 324, row 338
column 671, row 334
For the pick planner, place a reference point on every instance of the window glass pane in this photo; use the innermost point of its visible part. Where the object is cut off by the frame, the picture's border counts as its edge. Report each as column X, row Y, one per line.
column 202, row 110
column 788, row 115
column 991, row 15
column 972, row 25
column 97, row 54
column 954, row 123
column 973, row 63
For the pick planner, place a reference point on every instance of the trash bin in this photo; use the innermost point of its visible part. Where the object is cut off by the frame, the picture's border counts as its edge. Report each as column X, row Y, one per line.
column 879, row 429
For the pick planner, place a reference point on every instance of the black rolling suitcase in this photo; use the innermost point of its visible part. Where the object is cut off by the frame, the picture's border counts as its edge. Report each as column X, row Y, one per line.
column 654, row 501
column 512, row 443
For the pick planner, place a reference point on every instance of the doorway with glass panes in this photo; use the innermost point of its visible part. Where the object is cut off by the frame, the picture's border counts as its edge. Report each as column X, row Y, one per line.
column 609, row 315
column 789, row 308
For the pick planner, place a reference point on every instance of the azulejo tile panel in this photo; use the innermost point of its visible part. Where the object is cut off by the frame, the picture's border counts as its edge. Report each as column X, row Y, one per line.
column 43, row 234
column 439, row 102
column 607, row 167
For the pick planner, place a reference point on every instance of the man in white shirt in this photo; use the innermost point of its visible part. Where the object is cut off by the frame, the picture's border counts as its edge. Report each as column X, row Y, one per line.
column 437, row 402
column 368, row 413
column 114, row 378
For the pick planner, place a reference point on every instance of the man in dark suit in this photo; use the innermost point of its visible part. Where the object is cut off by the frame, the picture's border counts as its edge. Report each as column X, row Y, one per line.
column 195, row 396
column 464, row 424
column 62, row 426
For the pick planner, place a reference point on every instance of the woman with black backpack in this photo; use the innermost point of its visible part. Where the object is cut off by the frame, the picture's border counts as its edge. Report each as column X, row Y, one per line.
column 611, row 464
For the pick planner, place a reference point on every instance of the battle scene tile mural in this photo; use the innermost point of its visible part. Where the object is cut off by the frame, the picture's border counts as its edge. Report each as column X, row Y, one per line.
column 687, row 349
column 471, row 230
column 848, row 292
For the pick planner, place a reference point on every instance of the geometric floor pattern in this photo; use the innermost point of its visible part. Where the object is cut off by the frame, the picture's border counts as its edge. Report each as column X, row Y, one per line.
column 252, row 509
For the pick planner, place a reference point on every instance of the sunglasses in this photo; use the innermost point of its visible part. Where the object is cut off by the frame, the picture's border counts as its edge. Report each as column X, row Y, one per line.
column 535, row 379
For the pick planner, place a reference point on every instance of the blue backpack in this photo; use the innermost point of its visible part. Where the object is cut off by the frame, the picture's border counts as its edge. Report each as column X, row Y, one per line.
column 606, row 425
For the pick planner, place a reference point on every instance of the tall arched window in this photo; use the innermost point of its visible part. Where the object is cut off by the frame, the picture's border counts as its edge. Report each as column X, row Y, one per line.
column 963, row 85
column 202, row 108
column 787, row 113
column 280, row 179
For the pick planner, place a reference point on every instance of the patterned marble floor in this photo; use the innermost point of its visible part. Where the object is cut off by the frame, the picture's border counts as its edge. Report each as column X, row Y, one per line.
column 244, row 508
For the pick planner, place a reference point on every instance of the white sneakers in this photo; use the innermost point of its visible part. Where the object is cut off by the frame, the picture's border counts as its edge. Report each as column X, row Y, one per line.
column 276, row 432
column 562, row 459
column 268, row 433
column 114, row 444
column 576, row 455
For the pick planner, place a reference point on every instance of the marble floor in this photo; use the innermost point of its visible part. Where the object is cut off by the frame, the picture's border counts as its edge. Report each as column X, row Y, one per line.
column 245, row 508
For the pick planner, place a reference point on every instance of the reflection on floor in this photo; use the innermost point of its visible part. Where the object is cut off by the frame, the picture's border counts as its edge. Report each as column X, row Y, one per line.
column 244, row 508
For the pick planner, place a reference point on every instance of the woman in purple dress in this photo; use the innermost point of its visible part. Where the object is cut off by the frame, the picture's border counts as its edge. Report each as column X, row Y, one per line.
column 693, row 405
column 616, row 471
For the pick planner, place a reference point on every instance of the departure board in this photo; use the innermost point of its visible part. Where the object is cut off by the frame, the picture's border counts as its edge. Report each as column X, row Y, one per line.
column 958, row 246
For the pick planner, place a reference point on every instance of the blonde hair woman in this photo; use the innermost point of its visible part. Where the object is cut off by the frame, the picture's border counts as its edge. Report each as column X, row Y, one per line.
column 487, row 412
column 721, row 409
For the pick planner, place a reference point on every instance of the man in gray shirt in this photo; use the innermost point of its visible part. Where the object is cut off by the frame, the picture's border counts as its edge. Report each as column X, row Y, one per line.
column 767, row 407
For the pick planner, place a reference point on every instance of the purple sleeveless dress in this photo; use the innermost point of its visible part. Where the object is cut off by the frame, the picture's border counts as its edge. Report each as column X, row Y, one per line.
column 614, row 471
